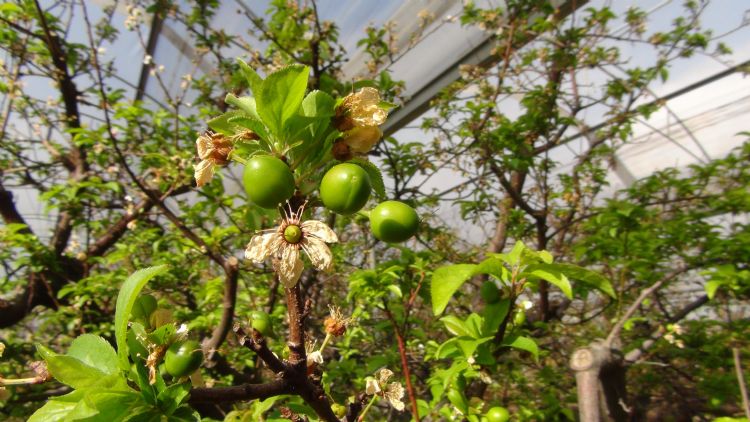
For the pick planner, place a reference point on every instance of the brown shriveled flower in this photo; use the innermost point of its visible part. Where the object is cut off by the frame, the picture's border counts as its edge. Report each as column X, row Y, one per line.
column 336, row 324
column 213, row 150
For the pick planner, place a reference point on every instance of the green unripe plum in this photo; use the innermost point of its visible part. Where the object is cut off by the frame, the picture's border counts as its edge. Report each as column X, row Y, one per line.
column 497, row 414
column 262, row 323
column 183, row 358
column 345, row 188
column 143, row 307
column 268, row 181
column 520, row 317
column 489, row 292
column 393, row 221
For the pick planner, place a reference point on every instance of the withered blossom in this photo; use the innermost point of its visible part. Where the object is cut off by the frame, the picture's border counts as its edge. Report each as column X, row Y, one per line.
column 393, row 392
column 213, row 150
column 336, row 324
column 283, row 245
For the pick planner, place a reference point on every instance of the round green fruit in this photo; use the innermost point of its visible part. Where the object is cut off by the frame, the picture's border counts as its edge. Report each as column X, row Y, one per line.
column 489, row 292
column 183, row 358
column 497, row 414
column 519, row 318
column 345, row 188
column 262, row 323
column 393, row 221
column 143, row 307
column 268, row 181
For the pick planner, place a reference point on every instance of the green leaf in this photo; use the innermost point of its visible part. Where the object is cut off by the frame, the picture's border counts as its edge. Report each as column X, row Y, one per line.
column 494, row 267
column 454, row 325
column 514, row 256
column 125, row 299
column 95, row 352
column 376, row 177
column 171, row 397
column 245, row 104
column 590, row 278
column 494, row 314
column 445, row 282
column 72, row 371
column 551, row 274
column 221, row 124
column 254, row 81
column 280, row 97
column 711, row 288
column 523, row 343
column 318, row 104
column 57, row 408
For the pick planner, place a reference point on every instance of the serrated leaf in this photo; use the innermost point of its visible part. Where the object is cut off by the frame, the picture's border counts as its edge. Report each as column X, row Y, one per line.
column 376, row 177
column 125, row 299
column 254, row 81
column 57, row 408
column 94, row 351
column 445, row 282
column 221, row 124
column 248, row 105
column 523, row 343
column 281, row 95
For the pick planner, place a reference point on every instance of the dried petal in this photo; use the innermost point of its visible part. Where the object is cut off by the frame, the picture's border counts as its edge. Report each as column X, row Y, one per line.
column 384, row 374
column 372, row 387
column 319, row 254
column 204, row 171
column 362, row 139
column 315, row 358
column 261, row 247
column 204, row 145
column 319, row 230
column 289, row 266
column 394, row 393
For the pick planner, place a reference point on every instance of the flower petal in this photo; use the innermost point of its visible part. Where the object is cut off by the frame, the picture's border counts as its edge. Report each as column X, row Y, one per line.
column 383, row 375
column 362, row 139
column 319, row 230
column 261, row 247
column 289, row 266
column 204, row 171
column 319, row 254
column 315, row 357
column 394, row 392
column 204, row 146
column 372, row 386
